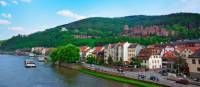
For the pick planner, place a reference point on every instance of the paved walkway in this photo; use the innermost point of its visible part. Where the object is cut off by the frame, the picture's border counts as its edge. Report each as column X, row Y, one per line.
column 134, row 75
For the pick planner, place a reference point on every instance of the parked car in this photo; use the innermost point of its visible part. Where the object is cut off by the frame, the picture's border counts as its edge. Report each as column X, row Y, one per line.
column 163, row 73
column 196, row 79
column 154, row 78
column 182, row 81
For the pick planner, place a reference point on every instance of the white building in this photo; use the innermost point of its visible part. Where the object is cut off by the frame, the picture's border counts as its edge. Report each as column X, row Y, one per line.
column 151, row 58
column 123, row 51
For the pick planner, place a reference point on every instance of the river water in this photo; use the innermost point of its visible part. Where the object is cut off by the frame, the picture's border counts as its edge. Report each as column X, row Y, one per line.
column 14, row 74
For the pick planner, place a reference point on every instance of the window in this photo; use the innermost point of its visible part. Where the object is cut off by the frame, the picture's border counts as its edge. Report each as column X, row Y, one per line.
column 193, row 61
column 199, row 61
column 198, row 69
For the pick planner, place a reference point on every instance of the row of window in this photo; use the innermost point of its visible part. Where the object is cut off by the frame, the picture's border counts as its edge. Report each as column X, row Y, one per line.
column 155, row 61
column 156, row 56
column 194, row 61
column 131, row 50
column 131, row 55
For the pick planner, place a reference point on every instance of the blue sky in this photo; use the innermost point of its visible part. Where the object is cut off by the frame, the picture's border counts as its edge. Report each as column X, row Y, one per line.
column 28, row 16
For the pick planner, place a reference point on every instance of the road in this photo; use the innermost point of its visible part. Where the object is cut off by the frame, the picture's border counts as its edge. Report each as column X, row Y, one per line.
column 130, row 74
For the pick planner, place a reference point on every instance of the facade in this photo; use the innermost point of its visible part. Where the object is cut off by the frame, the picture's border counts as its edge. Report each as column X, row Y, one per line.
column 194, row 64
column 140, row 31
column 41, row 50
column 111, row 50
column 151, row 58
column 84, row 52
column 133, row 51
column 98, row 51
column 185, row 52
column 123, row 51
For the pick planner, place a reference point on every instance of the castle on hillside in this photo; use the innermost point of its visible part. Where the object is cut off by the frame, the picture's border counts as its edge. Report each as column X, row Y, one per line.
column 140, row 31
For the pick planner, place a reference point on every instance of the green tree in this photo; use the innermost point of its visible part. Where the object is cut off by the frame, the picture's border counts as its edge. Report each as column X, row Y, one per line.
column 136, row 62
column 91, row 59
column 110, row 60
column 67, row 54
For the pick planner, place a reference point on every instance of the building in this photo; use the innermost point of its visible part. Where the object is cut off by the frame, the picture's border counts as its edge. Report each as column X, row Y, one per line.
column 133, row 51
column 84, row 52
column 150, row 58
column 194, row 64
column 41, row 50
column 111, row 51
column 98, row 51
column 140, row 31
column 185, row 52
column 123, row 51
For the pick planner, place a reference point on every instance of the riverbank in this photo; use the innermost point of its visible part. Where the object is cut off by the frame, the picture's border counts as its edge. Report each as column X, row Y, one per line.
column 111, row 76
column 118, row 78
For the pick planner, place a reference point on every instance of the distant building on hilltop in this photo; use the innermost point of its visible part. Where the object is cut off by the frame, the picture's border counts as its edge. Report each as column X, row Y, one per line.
column 140, row 31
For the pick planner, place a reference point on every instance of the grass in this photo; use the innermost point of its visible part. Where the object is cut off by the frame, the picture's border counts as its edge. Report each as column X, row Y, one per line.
column 135, row 82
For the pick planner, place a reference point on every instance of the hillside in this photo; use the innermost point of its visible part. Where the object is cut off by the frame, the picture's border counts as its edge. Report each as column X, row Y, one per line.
column 186, row 26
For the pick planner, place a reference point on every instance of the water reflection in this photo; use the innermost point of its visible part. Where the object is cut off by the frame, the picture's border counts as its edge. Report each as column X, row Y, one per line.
column 14, row 74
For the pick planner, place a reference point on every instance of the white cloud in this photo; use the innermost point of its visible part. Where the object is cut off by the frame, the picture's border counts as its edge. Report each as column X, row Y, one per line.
column 4, row 22
column 27, row 1
column 15, row 2
column 26, row 30
column 70, row 14
column 6, row 15
column 17, row 29
column 3, row 3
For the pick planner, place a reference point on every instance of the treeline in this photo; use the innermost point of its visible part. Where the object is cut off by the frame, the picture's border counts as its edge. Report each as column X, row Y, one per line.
column 186, row 26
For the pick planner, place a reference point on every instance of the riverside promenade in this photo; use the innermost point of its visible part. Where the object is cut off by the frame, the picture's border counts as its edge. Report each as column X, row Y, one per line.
column 134, row 75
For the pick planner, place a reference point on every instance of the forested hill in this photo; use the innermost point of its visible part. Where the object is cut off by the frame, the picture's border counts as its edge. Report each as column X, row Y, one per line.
column 186, row 25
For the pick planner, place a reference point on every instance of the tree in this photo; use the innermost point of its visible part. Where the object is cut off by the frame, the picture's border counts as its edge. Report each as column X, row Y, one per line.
column 136, row 62
column 100, row 60
column 110, row 60
column 181, row 66
column 91, row 59
column 67, row 54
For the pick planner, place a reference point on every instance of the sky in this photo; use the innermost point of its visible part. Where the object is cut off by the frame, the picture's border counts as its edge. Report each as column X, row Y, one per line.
column 28, row 16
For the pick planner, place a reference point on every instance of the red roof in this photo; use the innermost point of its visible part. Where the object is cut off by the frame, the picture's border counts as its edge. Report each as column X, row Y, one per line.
column 169, row 54
column 84, row 49
column 98, row 49
column 193, row 49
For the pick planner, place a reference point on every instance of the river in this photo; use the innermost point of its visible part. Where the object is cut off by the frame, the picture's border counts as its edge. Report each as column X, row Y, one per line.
column 14, row 74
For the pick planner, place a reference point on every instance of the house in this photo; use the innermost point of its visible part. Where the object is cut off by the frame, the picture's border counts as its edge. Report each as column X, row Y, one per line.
column 133, row 50
column 82, row 36
column 194, row 64
column 98, row 51
column 185, row 52
column 169, row 58
column 46, row 51
column 111, row 51
column 150, row 58
column 84, row 52
column 123, row 51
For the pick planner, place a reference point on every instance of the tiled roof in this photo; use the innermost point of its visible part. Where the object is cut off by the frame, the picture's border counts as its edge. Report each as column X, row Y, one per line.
column 83, row 48
column 170, row 54
column 193, row 49
column 196, row 54
column 147, row 52
column 132, row 46
column 98, row 49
